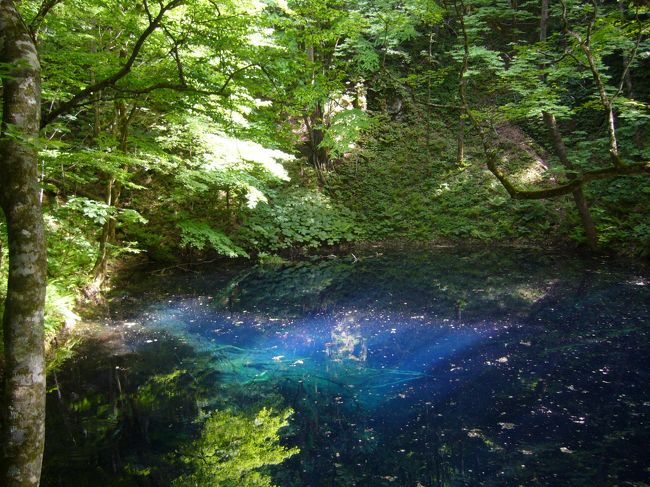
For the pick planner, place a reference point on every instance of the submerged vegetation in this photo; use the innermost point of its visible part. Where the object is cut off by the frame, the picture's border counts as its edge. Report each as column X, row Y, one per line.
column 185, row 131
column 441, row 367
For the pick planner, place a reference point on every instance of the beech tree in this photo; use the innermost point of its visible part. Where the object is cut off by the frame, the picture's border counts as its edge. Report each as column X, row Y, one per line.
column 23, row 406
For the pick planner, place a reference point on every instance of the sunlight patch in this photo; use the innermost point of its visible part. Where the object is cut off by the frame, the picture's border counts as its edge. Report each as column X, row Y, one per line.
column 223, row 151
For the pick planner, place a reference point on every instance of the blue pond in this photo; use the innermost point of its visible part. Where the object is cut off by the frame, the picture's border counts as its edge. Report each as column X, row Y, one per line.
column 422, row 368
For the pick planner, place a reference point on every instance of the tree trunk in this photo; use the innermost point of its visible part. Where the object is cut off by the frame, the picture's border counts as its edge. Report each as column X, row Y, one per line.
column 96, row 96
column 629, row 89
column 578, row 195
column 543, row 20
column 317, row 155
column 560, row 149
column 460, row 140
column 23, row 406
column 315, row 120
column 462, row 88
column 113, row 193
column 101, row 263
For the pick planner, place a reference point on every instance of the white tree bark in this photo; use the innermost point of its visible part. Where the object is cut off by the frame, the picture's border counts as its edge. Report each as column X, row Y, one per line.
column 23, row 402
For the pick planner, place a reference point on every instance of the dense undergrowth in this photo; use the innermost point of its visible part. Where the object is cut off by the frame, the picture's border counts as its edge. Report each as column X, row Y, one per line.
column 404, row 183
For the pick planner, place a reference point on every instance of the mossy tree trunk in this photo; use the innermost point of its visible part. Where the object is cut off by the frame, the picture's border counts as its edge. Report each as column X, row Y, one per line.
column 23, row 405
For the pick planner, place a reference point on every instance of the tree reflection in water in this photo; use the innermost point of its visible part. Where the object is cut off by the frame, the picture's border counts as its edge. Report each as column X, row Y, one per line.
column 438, row 368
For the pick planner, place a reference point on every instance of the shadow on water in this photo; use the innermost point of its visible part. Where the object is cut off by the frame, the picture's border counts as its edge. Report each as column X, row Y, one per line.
column 437, row 368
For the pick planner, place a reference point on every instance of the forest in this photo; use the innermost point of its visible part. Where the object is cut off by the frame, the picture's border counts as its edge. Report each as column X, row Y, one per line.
column 178, row 135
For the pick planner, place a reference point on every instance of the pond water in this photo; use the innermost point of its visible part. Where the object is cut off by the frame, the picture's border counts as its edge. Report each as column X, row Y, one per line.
column 449, row 367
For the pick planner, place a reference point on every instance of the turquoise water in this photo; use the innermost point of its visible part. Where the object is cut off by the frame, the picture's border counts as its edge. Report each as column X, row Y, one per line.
column 431, row 368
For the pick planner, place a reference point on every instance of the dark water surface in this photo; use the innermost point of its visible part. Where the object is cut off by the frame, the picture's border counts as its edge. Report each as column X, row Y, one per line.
column 420, row 368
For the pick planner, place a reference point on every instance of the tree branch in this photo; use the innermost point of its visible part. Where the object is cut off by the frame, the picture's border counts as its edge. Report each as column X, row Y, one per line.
column 184, row 87
column 175, row 54
column 35, row 24
column 445, row 106
column 631, row 59
column 462, row 85
column 163, row 85
column 121, row 73
column 576, row 181
column 636, row 169
column 605, row 101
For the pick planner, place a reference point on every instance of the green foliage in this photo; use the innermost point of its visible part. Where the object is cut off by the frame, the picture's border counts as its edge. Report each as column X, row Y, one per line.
column 196, row 199
column 233, row 448
column 59, row 308
column 200, row 235
column 621, row 216
column 270, row 259
column 429, row 198
column 298, row 218
column 99, row 212
column 344, row 130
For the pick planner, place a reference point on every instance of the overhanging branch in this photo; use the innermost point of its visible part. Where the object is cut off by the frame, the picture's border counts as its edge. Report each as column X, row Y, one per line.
column 118, row 75
column 183, row 86
column 635, row 169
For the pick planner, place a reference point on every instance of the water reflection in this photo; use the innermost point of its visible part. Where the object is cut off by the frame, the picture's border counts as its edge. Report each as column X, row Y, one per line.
column 430, row 368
